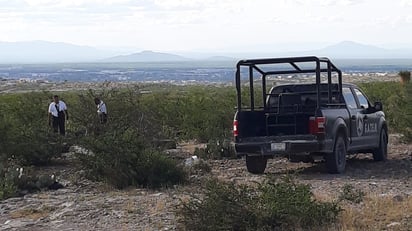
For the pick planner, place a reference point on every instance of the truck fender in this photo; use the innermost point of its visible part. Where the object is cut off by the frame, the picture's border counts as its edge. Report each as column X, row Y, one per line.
column 381, row 124
column 340, row 127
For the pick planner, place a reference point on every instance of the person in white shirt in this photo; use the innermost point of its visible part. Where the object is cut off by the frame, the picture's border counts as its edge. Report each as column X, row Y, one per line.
column 58, row 115
column 101, row 110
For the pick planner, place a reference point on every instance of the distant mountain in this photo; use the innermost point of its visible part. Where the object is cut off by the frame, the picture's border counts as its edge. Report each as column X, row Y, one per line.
column 50, row 52
column 220, row 58
column 147, row 56
column 353, row 50
column 58, row 52
column 348, row 49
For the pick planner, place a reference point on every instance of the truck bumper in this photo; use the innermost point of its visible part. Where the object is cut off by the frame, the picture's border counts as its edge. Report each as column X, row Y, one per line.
column 278, row 148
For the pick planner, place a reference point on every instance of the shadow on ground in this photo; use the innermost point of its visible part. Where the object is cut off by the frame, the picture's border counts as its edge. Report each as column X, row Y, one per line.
column 360, row 167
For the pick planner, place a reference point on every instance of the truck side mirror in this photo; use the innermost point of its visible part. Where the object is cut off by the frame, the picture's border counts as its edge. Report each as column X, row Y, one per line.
column 378, row 106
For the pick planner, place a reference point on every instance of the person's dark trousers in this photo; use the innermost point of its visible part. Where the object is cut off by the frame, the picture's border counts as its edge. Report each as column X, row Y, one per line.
column 62, row 125
column 55, row 124
column 59, row 125
column 103, row 118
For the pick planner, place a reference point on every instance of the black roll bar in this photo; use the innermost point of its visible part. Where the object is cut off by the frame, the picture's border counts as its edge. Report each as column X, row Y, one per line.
column 252, row 65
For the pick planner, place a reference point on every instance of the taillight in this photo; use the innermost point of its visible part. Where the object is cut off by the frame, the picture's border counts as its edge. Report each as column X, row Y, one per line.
column 235, row 128
column 317, row 125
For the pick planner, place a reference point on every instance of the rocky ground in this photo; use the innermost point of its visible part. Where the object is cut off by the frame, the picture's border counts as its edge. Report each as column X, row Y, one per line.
column 85, row 205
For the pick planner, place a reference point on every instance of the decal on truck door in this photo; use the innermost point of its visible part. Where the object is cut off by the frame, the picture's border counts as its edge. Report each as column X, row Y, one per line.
column 371, row 128
column 359, row 124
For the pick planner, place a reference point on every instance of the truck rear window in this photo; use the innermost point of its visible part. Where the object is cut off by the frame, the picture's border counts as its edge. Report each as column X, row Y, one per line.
column 349, row 98
column 304, row 95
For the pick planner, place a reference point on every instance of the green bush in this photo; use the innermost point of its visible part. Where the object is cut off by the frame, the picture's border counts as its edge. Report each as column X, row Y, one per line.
column 193, row 112
column 123, row 161
column 289, row 204
column 25, row 133
column 17, row 181
column 405, row 76
column 224, row 206
column 8, row 181
column 216, row 150
column 285, row 205
column 121, row 152
column 396, row 104
column 349, row 193
column 26, row 138
column 404, row 112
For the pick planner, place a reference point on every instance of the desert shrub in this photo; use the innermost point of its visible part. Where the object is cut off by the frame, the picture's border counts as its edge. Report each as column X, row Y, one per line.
column 8, row 181
column 405, row 113
column 202, row 167
column 156, row 169
column 123, row 160
column 223, row 206
column 25, row 139
column 405, row 76
column 396, row 104
column 290, row 204
column 216, row 150
column 18, row 181
column 350, row 193
column 121, row 152
column 193, row 112
column 272, row 205
column 24, row 129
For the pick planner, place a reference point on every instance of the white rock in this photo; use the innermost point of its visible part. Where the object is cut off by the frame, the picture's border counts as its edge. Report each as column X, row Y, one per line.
column 192, row 161
column 393, row 224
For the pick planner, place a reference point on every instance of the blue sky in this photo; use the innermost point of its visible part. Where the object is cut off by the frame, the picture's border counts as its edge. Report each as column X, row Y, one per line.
column 208, row 25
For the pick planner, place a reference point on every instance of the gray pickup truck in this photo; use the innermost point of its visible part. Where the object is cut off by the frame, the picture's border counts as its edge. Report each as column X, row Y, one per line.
column 303, row 121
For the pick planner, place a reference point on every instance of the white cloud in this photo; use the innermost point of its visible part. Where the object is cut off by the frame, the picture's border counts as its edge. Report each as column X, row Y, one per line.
column 74, row 3
column 205, row 24
column 406, row 2
column 327, row 2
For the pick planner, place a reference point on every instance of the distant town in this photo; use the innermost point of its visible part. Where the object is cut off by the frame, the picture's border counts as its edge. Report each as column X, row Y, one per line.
column 61, row 79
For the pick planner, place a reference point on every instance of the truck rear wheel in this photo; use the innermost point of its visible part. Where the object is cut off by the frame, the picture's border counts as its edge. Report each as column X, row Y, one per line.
column 256, row 164
column 336, row 161
column 381, row 153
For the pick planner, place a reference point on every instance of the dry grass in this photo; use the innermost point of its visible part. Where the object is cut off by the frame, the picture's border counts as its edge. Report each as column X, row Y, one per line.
column 376, row 213
column 31, row 213
column 132, row 207
column 157, row 206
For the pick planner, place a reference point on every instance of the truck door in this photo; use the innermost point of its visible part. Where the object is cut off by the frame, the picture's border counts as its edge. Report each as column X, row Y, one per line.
column 354, row 120
column 369, row 126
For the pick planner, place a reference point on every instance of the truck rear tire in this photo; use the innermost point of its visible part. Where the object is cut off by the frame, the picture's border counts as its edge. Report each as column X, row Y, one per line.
column 256, row 164
column 336, row 161
column 381, row 153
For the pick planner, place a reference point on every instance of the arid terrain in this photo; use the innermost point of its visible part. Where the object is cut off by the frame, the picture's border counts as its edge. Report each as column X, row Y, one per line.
column 86, row 205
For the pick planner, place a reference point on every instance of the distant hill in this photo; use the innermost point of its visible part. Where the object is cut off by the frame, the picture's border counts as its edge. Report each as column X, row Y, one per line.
column 58, row 52
column 221, row 58
column 44, row 51
column 147, row 56
column 353, row 50
column 348, row 49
